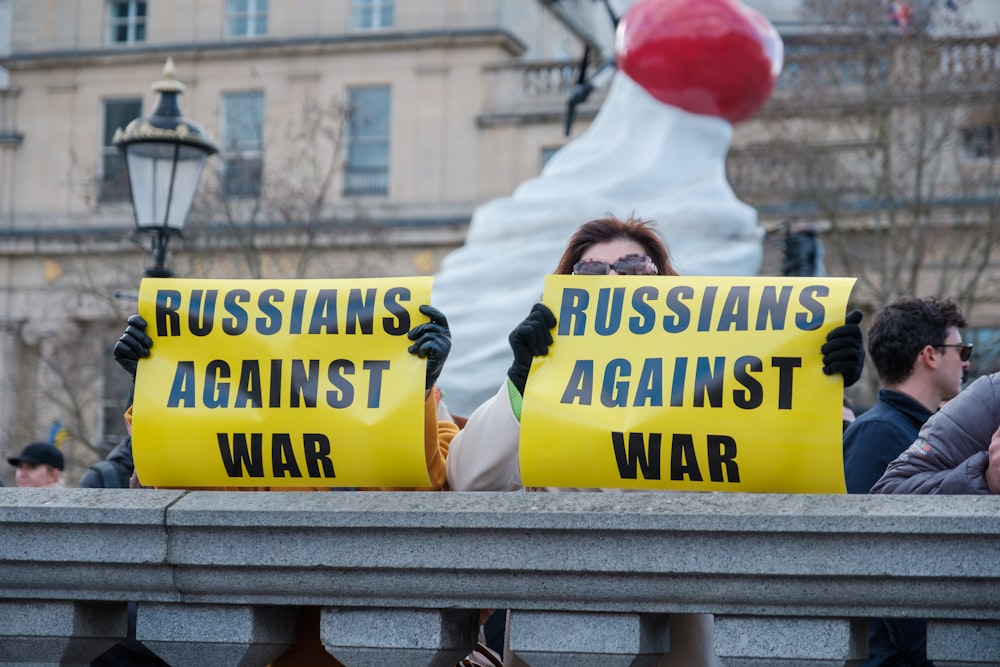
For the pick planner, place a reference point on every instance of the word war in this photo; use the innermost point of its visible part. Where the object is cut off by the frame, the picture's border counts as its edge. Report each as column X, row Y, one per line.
column 243, row 455
column 642, row 453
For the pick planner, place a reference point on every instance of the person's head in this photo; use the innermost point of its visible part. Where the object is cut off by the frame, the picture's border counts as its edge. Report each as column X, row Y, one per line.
column 920, row 336
column 38, row 464
column 610, row 239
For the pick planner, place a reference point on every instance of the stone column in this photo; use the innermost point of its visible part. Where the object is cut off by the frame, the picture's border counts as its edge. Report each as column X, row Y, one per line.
column 209, row 635
column 775, row 641
column 58, row 633
column 963, row 643
column 9, row 375
column 561, row 639
column 378, row 637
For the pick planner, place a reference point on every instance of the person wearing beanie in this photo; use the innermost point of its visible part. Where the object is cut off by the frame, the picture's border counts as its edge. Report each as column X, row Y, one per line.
column 39, row 465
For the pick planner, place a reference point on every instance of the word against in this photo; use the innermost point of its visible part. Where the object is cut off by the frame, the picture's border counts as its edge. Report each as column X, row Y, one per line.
column 707, row 382
column 276, row 383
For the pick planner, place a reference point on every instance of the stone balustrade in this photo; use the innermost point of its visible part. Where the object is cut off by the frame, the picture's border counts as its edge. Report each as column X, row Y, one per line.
column 969, row 61
column 532, row 88
column 219, row 577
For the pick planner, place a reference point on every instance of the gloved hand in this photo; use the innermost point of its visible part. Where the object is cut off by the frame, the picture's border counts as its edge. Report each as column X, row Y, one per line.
column 529, row 339
column 844, row 350
column 133, row 345
column 431, row 341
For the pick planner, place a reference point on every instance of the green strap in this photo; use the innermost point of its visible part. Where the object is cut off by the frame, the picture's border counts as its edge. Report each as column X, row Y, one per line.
column 515, row 399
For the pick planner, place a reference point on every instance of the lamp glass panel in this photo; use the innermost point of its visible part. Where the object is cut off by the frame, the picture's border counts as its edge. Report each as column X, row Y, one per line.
column 159, row 189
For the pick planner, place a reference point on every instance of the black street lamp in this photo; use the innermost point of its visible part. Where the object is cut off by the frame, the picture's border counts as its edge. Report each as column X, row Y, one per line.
column 164, row 154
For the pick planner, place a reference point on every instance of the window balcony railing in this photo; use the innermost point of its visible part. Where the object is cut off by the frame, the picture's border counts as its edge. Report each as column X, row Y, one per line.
column 532, row 88
column 366, row 182
column 399, row 578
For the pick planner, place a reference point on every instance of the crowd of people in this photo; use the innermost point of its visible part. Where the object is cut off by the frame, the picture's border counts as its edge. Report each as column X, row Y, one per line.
column 923, row 435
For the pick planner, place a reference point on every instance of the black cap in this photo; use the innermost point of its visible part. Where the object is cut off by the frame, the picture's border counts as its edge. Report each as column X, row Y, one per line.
column 38, row 453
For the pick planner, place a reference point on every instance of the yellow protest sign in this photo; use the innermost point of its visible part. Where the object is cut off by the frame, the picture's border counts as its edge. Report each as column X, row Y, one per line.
column 281, row 383
column 687, row 383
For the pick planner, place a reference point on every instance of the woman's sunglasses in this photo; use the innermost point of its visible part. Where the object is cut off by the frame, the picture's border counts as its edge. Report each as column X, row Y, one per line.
column 629, row 265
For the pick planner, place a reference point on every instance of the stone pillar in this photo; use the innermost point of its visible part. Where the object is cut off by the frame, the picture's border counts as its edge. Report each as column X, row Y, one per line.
column 10, row 387
column 563, row 639
column 207, row 635
column 56, row 633
column 378, row 637
column 957, row 643
column 775, row 641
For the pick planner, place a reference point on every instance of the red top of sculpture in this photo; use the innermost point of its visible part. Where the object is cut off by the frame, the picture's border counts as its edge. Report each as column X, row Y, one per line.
column 710, row 57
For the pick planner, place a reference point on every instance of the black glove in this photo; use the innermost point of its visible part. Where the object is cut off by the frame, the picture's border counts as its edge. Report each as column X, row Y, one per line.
column 431, row 340
column 133, row 345
column 844, row 350
column 529, row 339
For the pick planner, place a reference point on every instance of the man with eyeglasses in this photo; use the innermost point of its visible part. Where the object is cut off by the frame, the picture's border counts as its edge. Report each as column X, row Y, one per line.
column 917, row 349
column 918, row 352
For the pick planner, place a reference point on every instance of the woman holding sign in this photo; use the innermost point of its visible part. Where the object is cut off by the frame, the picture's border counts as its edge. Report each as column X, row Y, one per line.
column 484, row 456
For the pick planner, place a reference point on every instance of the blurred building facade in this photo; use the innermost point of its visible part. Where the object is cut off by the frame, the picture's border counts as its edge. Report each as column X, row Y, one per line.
column 882, row 137
column 357, row 137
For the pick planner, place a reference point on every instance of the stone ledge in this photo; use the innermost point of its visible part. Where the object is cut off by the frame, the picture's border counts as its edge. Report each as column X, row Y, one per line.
column 763, row 564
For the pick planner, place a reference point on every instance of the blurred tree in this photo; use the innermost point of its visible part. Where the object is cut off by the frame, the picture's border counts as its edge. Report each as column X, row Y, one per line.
column 885, row 135
column 274, row 210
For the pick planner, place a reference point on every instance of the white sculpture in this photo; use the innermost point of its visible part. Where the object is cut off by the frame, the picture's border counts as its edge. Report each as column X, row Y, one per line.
column 640, row 156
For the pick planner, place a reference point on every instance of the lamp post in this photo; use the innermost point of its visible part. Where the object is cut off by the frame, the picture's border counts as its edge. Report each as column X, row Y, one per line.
column 164, row 154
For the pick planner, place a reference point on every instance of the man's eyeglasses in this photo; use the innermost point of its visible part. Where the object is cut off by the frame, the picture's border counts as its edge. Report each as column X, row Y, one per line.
column 964, row 349
column 629, row 265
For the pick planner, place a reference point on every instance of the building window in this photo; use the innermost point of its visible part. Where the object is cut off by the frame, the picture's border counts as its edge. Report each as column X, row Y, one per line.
column 126, row 21
column 367, row 169
column 372, row 14
column 981, row 143
column 114, row 177
column 246, row 18
column 242, row 144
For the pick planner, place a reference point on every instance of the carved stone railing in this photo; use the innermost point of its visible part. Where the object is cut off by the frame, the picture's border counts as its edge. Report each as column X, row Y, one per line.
column 399, row 577
column 534, row 88
column 972, row 61
column 896, row 68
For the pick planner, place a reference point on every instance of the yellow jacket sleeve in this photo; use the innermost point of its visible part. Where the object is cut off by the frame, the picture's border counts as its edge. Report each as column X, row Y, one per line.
column 437, row 440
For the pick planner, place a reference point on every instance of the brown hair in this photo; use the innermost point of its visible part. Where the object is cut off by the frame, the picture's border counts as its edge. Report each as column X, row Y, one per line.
column 610, row 228
column 904, row 328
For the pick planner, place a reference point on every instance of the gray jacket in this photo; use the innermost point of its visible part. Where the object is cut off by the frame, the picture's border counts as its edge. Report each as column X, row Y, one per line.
column 950, row 453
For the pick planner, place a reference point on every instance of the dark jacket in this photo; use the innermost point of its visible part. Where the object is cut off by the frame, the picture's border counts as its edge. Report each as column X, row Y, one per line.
column 114, row 471
column 878, row 436
column 882, row 434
